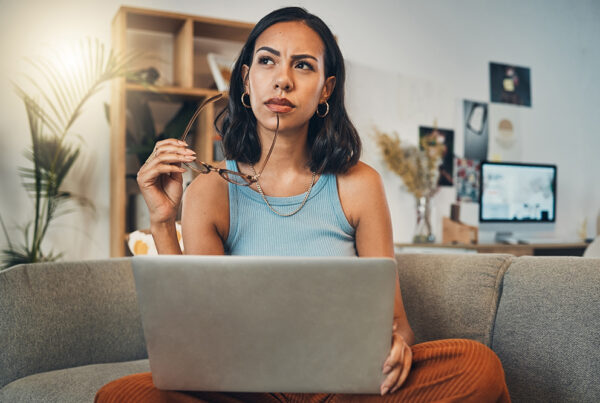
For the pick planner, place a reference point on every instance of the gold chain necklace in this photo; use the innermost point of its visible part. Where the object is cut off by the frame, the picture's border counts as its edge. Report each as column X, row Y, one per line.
column 312, row 182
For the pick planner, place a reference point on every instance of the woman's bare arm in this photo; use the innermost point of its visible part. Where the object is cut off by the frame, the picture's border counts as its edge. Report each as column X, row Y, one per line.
column 161, row 183
column 364, row 202
column 205, row 216
column 365, row 205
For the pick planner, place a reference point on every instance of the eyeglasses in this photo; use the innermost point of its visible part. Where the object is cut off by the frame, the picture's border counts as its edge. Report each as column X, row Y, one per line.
column 237, row 178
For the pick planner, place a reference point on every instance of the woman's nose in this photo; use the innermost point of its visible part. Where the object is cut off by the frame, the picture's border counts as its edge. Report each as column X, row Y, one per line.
column 284, row 81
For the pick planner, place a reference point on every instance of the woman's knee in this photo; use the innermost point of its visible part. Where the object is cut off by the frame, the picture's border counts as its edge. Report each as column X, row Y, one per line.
column 485, row 370
column 127, row 388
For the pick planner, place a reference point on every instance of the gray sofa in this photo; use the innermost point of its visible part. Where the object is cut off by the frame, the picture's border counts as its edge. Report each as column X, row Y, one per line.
column 66, row 329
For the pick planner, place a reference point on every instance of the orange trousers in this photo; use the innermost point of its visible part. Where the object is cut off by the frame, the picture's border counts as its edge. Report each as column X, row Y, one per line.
column 455, row 370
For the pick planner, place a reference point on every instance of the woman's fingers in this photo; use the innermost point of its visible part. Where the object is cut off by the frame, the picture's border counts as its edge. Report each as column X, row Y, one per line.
column 395, row 353
column 407, row 363
column 392, row 378
column 395, row 364
column 167, row 157
column 390, row 381
column 172, row 158
column 160, row 178
column 170, row 141
column 169, row 146
column 149, row 176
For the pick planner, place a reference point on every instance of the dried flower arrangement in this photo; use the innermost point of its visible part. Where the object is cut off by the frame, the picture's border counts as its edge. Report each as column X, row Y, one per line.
column 417, row 166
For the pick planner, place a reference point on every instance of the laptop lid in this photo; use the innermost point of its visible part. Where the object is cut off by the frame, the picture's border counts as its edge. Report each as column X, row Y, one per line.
column 266, row 324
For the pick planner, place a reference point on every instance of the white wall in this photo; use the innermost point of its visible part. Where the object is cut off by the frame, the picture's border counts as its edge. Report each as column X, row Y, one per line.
column 446, row 42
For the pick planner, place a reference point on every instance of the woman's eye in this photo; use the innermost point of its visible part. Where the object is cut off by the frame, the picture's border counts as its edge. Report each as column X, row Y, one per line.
column 305, row 66
column 265, row 60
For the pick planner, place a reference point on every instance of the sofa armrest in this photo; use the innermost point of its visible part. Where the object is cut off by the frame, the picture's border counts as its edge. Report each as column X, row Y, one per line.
column 61, row 315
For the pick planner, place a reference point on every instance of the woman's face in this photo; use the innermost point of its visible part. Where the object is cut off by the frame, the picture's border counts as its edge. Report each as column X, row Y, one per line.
column 287, row 76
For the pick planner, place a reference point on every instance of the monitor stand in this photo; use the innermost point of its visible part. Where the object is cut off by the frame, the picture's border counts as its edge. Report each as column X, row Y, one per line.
column 506, row 238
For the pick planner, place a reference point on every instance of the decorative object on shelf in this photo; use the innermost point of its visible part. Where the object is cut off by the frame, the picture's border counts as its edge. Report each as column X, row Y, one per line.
column 220, row 67
column 140, row 242
column 455, row 212
column 455, row 232
column 418, row 167
column 423, row 232
column 53, row 151
column 146, row 76
column 582, row 231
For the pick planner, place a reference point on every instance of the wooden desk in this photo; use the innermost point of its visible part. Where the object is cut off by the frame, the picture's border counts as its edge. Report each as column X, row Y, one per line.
column 556, row 249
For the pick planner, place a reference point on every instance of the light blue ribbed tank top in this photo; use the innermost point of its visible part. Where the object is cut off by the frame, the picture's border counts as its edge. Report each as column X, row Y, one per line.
column 320, row 228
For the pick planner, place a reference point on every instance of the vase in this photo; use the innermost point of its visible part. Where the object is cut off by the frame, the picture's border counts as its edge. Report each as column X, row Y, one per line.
column 423, row 232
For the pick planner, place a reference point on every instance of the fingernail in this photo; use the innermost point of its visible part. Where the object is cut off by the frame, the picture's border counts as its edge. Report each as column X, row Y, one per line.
column 387, row 369
column 189, row 157
column 384, row 390
column 182, row 142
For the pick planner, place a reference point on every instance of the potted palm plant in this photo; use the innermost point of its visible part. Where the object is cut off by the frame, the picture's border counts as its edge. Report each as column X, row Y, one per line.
column 54, row 101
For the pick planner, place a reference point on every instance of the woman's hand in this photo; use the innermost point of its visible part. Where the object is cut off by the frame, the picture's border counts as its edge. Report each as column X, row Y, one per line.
column 397, row 365
column 161, row 181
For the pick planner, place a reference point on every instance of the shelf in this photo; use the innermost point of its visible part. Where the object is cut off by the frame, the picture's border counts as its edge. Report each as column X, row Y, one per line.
column 178, row 92
column 176, row 45
column 166, row 21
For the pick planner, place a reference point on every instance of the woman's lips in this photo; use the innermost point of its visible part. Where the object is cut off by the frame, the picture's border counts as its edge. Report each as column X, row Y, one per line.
column 279, row 108
column 279, row 105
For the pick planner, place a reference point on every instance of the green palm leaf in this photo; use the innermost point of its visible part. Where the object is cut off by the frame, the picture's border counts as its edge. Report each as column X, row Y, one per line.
column 63, row 83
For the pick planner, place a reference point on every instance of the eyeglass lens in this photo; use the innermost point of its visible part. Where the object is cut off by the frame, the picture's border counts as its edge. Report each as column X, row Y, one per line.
column 230, row 176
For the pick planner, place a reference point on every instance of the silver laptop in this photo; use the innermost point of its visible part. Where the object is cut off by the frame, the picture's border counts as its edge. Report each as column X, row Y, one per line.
column 266, row 324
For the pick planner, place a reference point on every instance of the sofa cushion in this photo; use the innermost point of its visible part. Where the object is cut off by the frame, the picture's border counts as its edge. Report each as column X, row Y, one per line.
column 547, row 331
column 75, row 385
column 67, row 314
column 451, row 295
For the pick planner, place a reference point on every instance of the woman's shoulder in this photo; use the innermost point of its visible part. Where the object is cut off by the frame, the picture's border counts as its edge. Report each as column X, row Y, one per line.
column 360, row 176
column 359, row 189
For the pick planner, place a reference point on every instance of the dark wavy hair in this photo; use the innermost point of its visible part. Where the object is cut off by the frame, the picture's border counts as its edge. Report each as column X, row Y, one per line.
column 333, row 142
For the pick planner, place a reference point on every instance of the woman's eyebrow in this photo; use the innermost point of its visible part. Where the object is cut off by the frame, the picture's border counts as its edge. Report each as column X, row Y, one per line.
column 294, row 57
column 268, row 49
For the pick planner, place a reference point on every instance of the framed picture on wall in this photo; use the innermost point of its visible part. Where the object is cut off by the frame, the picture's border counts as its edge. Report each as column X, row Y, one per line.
column 446, row 137
column 510, row 84
column 475, row 118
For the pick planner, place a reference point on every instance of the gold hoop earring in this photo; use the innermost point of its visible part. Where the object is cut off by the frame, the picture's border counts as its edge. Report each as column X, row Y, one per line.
column 326, row 110
column 243, row 103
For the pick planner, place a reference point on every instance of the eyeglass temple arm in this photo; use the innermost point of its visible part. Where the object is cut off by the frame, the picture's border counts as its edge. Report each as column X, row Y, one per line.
column 270, row 150
column 198, row 110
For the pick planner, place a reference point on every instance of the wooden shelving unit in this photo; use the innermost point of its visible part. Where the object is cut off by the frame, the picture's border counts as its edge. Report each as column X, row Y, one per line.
column 177, row 44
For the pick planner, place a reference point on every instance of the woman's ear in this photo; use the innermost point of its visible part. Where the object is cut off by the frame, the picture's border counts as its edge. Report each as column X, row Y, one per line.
column 327, row 89
column 245, row 72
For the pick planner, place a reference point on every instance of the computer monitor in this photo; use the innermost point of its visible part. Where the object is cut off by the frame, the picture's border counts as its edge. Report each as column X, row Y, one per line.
column 516, row 201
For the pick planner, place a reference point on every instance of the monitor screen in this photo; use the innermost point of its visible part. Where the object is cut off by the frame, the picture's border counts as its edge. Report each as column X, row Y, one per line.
column 514, row 192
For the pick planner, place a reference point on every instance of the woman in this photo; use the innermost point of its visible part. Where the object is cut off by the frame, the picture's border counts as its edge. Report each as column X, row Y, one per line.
column 307, row 194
